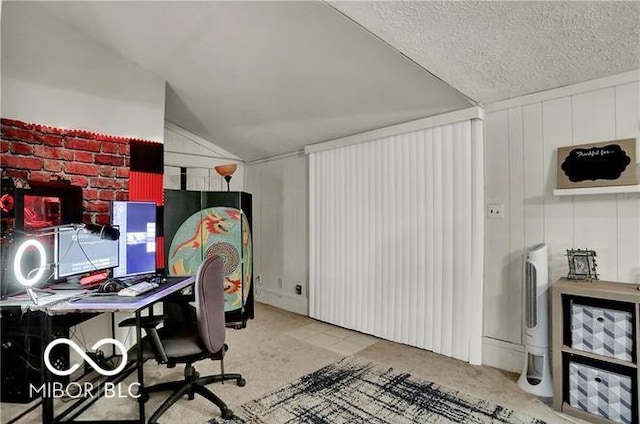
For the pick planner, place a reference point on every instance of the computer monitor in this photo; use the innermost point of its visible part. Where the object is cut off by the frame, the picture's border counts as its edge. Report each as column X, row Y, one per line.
column 137, row 222
column 78, row 251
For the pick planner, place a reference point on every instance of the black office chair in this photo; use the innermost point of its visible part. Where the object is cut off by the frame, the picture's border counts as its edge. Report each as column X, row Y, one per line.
column 191, row 342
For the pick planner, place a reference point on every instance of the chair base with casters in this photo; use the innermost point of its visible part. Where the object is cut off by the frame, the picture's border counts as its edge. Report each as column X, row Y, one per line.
column 191, row 385
column 181, row 348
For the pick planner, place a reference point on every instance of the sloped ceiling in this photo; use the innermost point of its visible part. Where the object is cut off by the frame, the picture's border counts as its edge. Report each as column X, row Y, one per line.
column 498, row 50
column 265, row 78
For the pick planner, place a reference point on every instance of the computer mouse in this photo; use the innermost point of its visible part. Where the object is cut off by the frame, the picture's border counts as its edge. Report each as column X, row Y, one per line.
column 110, row 286
column 159, row 279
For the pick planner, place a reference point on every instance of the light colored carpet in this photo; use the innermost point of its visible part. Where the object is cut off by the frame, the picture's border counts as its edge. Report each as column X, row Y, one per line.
column 279, row 347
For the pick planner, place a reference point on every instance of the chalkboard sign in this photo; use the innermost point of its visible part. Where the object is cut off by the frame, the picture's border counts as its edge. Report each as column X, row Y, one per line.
column 597, row 165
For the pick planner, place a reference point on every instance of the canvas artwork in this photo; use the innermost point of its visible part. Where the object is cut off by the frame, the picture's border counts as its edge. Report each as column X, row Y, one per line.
column 198, row 224
column 222, row 231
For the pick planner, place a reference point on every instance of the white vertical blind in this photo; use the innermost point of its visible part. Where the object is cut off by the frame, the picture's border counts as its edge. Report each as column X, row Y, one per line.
column 396, row 227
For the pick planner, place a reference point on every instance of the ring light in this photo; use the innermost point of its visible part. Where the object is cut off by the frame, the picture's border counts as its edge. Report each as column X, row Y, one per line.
column 17, row 260
column 106, row 232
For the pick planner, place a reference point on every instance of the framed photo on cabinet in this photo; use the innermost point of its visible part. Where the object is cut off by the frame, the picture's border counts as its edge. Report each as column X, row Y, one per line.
column 582, row 264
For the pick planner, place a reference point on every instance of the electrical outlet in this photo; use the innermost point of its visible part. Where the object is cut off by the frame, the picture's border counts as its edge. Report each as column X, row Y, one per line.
column 298, row 289
column 258, row 279
column 495, row 211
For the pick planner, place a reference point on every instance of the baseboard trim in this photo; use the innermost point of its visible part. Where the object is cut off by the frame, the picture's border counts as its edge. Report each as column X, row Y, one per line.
column 297, row 304
column 501, row 354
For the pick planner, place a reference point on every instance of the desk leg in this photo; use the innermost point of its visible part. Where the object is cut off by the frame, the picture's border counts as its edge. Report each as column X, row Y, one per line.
column 47, row 395
column 113, row 332
column 142, row 398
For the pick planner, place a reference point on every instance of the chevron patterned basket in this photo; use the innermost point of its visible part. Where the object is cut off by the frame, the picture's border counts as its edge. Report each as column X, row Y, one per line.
column 600, row 392
column 607, row 332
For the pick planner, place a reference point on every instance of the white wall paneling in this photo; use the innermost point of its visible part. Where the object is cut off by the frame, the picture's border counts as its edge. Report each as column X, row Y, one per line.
column 530, row 130
column 534, row 176
column 172, row 177
column 185, row 149
column 393, row 224
column 593, row 119
column 280, row 230
column 558, row 211
column 502, row 297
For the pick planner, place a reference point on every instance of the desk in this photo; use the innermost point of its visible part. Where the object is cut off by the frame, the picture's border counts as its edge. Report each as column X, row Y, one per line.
column 78, row 303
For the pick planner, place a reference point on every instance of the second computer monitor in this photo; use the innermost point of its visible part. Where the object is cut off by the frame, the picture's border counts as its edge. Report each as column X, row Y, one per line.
column 137, row 222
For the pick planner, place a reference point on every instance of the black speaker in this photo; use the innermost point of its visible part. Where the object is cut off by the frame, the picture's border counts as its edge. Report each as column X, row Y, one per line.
column 21, row 355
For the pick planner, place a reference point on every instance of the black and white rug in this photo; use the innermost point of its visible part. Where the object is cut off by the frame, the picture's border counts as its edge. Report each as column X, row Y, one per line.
column 353, row 392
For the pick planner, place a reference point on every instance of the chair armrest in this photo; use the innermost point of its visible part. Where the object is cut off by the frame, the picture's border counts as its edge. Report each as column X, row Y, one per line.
column 156, row 345
column 149, row 323
column 146, row 322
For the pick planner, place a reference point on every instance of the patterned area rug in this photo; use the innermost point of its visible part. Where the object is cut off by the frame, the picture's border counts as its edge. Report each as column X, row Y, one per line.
column 353, row 392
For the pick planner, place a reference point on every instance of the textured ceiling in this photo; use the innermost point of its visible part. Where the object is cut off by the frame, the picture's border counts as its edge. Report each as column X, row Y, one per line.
column 497, row 50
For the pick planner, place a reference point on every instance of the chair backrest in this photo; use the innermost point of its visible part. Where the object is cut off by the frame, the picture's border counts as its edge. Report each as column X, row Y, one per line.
column 209, row 291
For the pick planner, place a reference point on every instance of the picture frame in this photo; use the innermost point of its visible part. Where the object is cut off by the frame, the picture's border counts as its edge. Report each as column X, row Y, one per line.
column 582, row 264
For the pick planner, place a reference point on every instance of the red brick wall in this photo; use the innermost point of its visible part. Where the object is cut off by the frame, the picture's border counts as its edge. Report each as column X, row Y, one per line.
column 97, row 163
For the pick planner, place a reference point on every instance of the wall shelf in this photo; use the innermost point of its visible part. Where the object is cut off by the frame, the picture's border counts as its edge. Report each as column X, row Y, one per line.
column 597, row 190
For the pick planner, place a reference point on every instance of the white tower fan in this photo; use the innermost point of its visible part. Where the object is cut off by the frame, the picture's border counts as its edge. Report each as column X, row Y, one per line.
column 536, row 374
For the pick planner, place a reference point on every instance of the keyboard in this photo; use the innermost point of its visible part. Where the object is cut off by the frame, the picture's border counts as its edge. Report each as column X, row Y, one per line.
column 138, row 289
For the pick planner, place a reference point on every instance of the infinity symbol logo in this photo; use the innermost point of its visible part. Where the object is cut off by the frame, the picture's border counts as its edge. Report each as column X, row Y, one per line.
column 82, row 353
